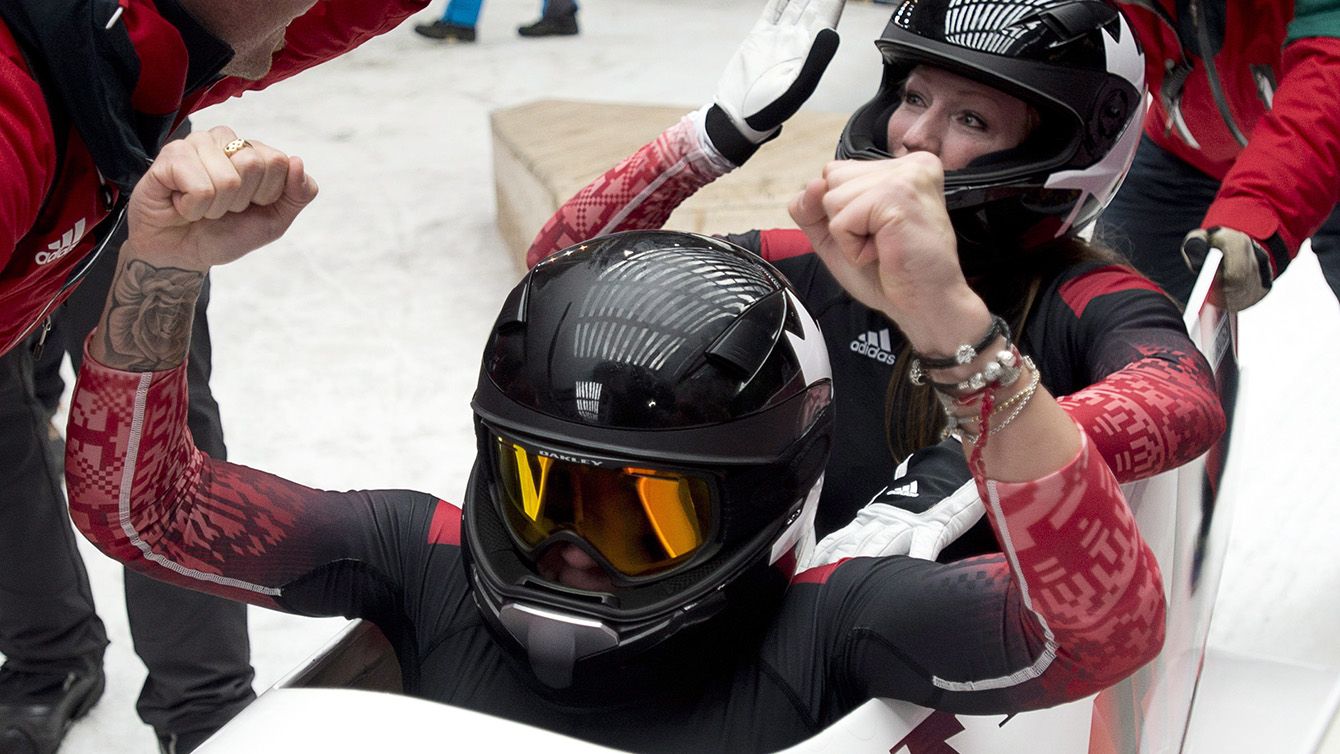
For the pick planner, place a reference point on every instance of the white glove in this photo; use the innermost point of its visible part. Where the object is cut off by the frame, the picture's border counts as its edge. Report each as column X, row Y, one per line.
column 1246, row 272
column 880, row 530
column 772, row 74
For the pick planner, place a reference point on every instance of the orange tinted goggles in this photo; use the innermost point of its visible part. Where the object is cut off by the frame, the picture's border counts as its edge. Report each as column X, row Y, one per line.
column 642, row 521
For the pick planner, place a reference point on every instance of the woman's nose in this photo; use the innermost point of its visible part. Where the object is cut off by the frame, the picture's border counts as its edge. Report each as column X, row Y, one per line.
column 923, row 135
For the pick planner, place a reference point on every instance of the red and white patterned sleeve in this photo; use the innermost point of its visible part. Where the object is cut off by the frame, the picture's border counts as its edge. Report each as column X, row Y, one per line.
column 1155, row 414
column 1071, row 604
column 1083, row 571
column 144, row 495
column 1151, row 402
column 638, row 193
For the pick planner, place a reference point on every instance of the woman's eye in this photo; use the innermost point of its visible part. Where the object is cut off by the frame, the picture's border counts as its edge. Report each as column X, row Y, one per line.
column 972, row 120
column 912, row 98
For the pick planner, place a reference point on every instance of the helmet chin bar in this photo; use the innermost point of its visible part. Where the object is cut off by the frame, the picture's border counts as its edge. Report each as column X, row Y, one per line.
column 554, row 641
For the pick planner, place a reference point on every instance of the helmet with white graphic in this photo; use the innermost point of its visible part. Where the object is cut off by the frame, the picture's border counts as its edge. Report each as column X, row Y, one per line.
column 653, row 423
column 1076, row 62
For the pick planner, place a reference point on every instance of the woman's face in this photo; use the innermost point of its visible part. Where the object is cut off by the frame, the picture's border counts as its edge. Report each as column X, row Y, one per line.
column 955, row 118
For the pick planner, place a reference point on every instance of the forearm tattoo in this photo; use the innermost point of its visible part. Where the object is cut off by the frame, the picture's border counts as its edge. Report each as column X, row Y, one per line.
column 147, row 324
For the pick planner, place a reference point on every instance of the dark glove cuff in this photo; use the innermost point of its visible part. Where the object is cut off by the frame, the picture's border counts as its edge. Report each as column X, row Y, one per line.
column 727, row 138
column 1279, row 255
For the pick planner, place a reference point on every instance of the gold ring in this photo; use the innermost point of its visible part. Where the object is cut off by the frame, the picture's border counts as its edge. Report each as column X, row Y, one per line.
column 235, row 146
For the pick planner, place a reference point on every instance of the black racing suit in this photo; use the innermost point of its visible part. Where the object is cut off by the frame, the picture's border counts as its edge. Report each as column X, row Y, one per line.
column 1072, row 602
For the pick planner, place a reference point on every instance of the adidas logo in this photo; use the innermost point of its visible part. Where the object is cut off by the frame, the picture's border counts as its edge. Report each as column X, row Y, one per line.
column 875, row 345
column 66, row 244
column 906, row 490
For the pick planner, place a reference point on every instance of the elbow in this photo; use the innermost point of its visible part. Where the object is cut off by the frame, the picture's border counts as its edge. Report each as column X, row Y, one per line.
column 87, row 507
column 1206, row 424
column 94, row 502
column 1217, row 421
column 1210, row 428
column 94, row 478
column 98, row 521
column 1151, row 645
column 1146, row 622
column 1214, row 415
column 1142, row 647
column 1133, row 642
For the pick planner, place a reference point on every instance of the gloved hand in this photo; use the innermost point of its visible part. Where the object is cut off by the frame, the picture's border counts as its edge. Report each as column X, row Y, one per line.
column 881, row 529
column 771, row 75
column 1246, row 272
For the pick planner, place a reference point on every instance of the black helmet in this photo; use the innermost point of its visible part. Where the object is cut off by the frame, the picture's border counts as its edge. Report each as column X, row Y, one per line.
column 660, row 401
column 1076, row 62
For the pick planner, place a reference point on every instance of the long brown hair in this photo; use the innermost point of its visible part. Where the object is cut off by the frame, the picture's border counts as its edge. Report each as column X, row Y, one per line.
column 1010, row 285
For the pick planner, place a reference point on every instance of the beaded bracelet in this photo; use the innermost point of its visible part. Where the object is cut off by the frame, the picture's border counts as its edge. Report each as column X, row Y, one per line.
column 972, row 439
column 963, row 354
column 1022, row 398
column 1024, row 394
column 1001, row 371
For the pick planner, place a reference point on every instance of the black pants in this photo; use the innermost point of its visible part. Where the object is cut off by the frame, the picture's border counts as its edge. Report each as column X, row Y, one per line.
column 1163, row 199
column 558, row 8
column 194, row 646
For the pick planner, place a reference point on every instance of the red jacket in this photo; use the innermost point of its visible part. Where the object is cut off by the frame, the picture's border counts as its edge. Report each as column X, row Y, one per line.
column 1286, row 180
column 41, row 244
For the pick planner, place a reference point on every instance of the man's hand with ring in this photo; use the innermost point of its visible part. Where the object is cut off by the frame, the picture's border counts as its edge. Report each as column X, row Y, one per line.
column 206, row 201
column 235, row 146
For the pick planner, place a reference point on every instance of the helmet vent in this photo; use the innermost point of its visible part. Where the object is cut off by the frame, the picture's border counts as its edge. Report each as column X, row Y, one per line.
column 643, row 313
column 1022, row 28
column 745, row 345
column 994, row 27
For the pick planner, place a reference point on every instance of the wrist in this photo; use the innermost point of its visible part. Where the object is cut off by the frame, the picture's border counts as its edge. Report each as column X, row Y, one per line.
column 980, row 362
column 727, row 137
column 160, row 255
column 969, row 416
column 954, row 322
column 688, row 140
column 146, row 322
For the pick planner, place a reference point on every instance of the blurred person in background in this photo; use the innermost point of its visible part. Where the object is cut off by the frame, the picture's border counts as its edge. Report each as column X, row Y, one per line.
column 1241, row 150
column 459, row 18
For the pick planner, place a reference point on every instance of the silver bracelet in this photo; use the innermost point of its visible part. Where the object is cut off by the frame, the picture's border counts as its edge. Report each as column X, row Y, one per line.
column 1023, row 397
column 964, row 354
column 1001, row 371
